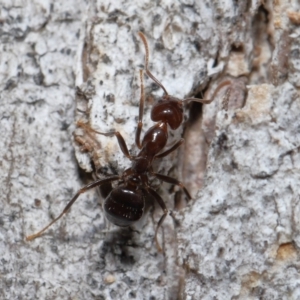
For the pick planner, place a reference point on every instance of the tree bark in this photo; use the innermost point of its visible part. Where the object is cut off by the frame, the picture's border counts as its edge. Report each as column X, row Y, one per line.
column 79, row 62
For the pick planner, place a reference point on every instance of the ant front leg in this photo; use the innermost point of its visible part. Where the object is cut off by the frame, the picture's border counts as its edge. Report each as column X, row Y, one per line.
column 141, row 112
column 172, row 181
column 121, row 141
column 81, row 191
column 162, row 204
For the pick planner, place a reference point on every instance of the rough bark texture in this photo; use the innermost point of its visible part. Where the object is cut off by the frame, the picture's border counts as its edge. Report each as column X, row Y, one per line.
column 239, row 238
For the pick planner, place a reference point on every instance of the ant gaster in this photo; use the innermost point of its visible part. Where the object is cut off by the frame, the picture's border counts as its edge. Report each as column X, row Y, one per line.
column 126, row 203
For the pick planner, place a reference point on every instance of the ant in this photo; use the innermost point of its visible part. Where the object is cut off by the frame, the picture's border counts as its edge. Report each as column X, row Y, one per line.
column 125, row 204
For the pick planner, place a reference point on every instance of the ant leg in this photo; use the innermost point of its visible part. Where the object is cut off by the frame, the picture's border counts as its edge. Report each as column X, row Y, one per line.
column 172, row 181
column 121, row 141
column 162, row 204
column 173, row 148
column 81, row 191
column 144, row 40
column 141, row 112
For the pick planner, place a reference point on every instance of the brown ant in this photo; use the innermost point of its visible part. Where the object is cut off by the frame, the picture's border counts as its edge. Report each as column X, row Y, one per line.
column 126, row 203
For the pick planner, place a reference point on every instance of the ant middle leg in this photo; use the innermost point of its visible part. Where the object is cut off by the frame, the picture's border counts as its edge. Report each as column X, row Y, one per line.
column 168, row 151
column 172, row 181
column 68, row 206
column 121, row 141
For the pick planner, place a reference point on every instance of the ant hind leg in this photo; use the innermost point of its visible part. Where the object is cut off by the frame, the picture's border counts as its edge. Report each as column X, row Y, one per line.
column 172, row 181
column 68, row 206
column 162, row 204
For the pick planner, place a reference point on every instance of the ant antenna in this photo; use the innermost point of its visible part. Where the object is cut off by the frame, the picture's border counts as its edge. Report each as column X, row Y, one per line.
column 207, row 101
column 144, row 40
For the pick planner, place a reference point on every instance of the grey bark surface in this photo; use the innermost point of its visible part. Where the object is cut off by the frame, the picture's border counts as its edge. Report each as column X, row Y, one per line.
column 79, row 61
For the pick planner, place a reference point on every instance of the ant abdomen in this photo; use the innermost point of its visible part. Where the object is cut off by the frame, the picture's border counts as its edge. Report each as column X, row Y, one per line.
column 168, row 110
column 124, row 206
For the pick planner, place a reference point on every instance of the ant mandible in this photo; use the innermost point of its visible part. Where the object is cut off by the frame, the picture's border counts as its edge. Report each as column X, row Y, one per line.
column 126, row 203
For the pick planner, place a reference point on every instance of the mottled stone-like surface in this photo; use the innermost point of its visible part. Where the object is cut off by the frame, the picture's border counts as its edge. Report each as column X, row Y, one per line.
column 79, row 61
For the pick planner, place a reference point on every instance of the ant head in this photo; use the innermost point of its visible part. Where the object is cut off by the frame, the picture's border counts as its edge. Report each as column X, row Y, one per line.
column 169, row 110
